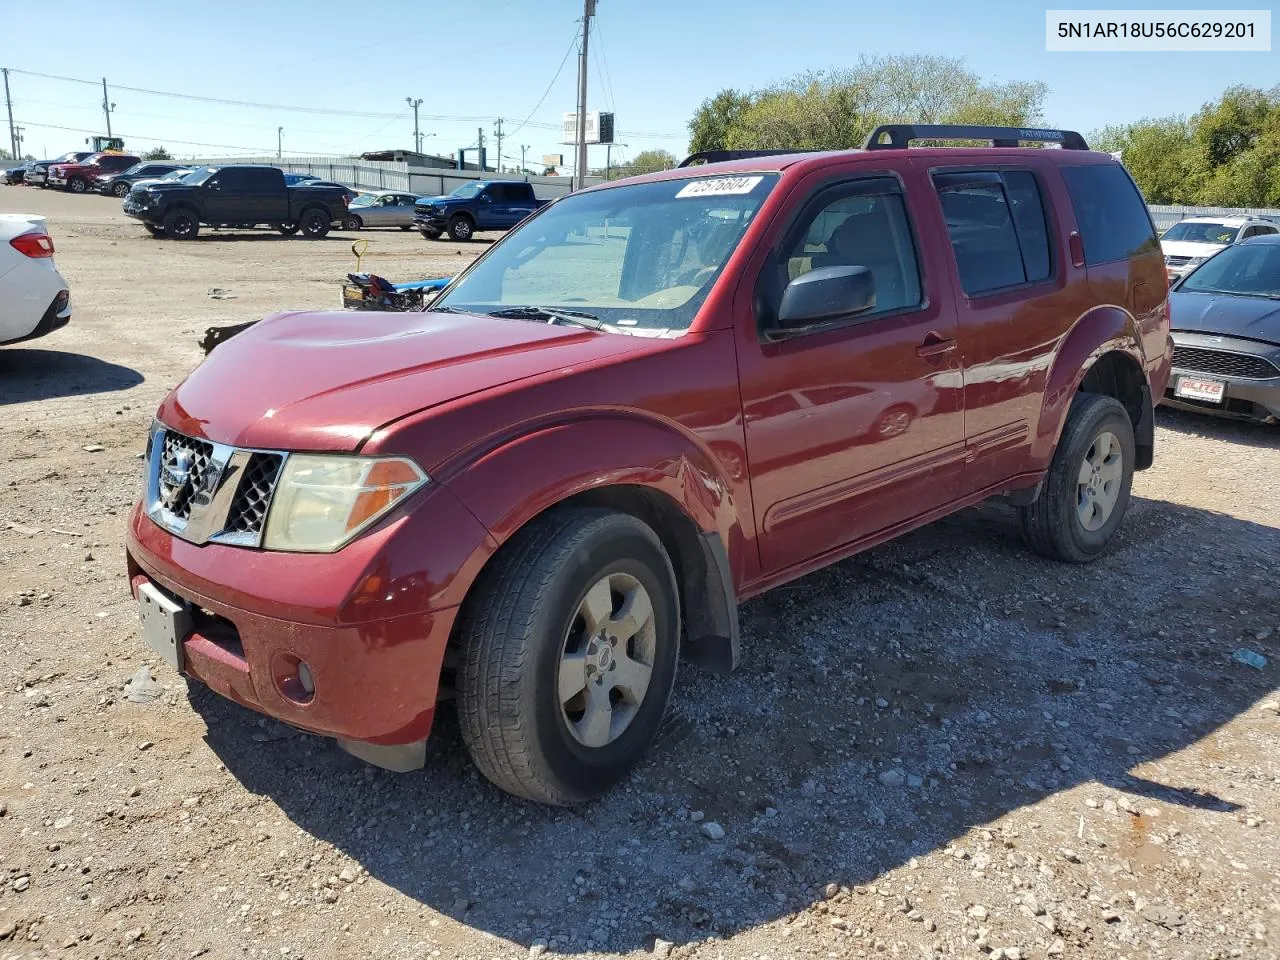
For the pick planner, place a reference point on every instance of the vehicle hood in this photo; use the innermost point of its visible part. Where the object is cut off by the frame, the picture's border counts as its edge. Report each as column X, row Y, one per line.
column 1254, row 318
column 326, row 381
column 436, row 201
column 1190, row 248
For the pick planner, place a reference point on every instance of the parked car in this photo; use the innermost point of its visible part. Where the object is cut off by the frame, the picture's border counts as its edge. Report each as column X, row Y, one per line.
column 552, row 478
column 15, row 175
column 37, row 171
column 1190, row 242
column 1226, row 334
column 34, row 299
column 80, row 177
column 119, row 184
column 384, row 208
column 480, row 205
column 293, row 179
column 169, row 177
column 240, row 195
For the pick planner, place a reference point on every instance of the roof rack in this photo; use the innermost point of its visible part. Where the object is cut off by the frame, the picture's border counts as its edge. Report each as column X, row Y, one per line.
column 720, row 156
column 901, row 134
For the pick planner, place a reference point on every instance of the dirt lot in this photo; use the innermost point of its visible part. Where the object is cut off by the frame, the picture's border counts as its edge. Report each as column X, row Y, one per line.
column 944, row 747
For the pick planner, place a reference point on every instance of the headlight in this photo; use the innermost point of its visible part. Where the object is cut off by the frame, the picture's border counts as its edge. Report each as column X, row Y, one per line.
column 322, row 501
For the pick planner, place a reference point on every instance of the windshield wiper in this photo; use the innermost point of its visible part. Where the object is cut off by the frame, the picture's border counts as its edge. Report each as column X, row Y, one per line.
column 551, row 315
column 443, row 310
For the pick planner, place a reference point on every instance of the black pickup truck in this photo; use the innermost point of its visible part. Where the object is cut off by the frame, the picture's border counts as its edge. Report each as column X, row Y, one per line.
column 235, row 196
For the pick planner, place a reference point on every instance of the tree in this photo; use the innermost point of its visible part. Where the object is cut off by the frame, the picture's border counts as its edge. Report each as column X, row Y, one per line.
column 157, row 153
column 837, row 109
column 646, row 161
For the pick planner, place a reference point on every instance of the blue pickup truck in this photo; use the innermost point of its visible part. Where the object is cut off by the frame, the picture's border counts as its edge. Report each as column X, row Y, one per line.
column 480, row 205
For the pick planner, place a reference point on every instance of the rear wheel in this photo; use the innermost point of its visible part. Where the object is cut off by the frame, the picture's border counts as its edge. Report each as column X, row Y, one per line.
column 154, row 230
column 120, row 190
column 181, row 225
column 314, row 224
column 406, row 227
column 461, row 228
column 77, row 184
column 569, row 646
column 1086, row 490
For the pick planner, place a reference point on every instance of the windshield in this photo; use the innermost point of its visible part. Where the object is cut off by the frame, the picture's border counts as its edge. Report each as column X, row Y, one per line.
column 199, row 175
column 176, row 175
column 364, row 200
column 136, row 168
column 1247, row 269
column 638, row 256
column 467, row 191
column 1201, row 232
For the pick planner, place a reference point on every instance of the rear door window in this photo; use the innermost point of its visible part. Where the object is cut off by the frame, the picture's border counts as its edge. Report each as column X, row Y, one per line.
column 1112, row 216
column 997, row 226
column 261, row 180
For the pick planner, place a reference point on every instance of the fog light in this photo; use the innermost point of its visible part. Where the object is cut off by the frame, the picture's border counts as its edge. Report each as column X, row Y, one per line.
column 293, row 678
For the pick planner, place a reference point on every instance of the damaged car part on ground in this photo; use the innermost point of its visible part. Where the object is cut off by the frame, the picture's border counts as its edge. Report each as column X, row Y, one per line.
column 652, row 400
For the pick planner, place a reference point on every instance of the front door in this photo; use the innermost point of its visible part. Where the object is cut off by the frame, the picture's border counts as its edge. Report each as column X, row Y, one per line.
column 856, row 426
column 224, row 196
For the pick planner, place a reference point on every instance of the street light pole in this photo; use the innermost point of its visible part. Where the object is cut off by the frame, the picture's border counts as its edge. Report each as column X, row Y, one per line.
column 107, row 106
column 588, row 11
column 417, row 137
column 524, row 147
column 279, row 141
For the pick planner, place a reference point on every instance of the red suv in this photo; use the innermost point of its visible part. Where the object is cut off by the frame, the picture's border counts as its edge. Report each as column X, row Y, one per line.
column 652, row 400
column 81, row 177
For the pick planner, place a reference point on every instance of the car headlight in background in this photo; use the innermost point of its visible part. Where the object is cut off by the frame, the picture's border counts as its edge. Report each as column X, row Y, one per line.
column 323, row 501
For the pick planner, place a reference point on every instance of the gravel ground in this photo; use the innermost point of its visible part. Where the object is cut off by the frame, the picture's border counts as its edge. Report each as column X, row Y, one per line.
column 943, row 747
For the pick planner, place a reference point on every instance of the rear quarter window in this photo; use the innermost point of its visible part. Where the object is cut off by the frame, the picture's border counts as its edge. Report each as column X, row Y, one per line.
column 1112, row 216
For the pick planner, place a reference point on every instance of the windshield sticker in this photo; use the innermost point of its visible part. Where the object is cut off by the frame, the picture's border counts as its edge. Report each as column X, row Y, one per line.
column 719, row 187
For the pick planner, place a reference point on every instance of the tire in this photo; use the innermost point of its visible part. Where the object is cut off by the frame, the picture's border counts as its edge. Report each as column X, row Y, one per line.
column 78, row 185
column 406, row 227
column 429, row 234
column 154, row 230
column 461, row 228
column 352, row 223
column 287, row 229
column 524, row 622
column 314, row 223
column 181, row 224
column 120, row 190
column 1074, row 520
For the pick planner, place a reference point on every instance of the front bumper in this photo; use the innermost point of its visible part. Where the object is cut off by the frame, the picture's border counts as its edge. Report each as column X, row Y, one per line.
column 36, row 177
column 362, row 619
column 1253, row 397
column 136, row 210
column 430, row 221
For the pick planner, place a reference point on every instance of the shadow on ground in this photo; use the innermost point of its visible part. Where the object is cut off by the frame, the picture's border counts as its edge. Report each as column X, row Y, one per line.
column 1266, row 435
column 976, row 678
column 28, row 375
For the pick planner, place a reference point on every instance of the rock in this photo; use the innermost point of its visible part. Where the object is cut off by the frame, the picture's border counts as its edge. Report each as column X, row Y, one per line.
column 769, row 812
column 1069, row 855
column 1057, row 948
column 1272, row 706
column 330, row 895
column 347, row 875
column 133, row 936
column 7, row 930
column 914, row 781
column 62, row 823
column 712, row 830
column 4, row 809
column 662, row 948
column 145, row 745
column 141, row 688
column 840, row 923
column 21, row 883
column 892, row 778
column 93, row 448
column 135, row 791
column 697, row 816
column 1250, row 658
column 978, row 912
column 882, row 703
column 88, row 555
column 831, row 891
column 537, row 948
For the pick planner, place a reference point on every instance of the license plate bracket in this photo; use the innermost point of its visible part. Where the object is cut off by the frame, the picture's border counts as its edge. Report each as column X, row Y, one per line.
column 1199, row 388
column 166, row 622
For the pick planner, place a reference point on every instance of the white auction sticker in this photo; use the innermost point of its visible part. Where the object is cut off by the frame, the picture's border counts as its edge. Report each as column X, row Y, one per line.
column 719, row 187
column 1131, row 31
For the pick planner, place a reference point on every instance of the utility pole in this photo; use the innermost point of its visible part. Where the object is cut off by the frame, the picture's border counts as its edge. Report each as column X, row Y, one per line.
column 417, row 137
column 279, row 141
column 608, row 157
column 497, row 135
column 8, row 102
column 588, row 11
column 524, row 169
column 480, row 149
column 18, row 131
column 107, row 106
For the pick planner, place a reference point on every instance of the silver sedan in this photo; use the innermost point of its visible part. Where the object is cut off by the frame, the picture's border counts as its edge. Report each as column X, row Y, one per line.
column 383, row 209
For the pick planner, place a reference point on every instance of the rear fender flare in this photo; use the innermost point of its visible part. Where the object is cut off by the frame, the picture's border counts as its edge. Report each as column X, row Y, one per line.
column 1103, row 330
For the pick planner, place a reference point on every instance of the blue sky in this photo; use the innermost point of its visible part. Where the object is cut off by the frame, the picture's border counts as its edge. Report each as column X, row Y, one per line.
column 653, row 62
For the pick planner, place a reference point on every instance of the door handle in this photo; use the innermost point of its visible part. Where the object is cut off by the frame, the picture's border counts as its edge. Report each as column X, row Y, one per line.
column 935, row 347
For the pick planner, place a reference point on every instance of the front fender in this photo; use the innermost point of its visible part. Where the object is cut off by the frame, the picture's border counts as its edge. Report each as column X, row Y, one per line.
column 1102, row 330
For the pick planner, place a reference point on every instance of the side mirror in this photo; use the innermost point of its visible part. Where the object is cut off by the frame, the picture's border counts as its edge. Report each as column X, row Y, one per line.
column 827, row 293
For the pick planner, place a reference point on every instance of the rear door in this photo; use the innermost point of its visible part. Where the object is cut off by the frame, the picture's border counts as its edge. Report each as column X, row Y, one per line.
column 1014, row 303
column 520, row 203
column 266, row 196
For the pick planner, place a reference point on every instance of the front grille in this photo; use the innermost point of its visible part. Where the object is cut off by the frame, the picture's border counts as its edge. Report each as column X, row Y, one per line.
column 1224, row 363
column 249, row 508
column 1176, row 261
column 197, row 456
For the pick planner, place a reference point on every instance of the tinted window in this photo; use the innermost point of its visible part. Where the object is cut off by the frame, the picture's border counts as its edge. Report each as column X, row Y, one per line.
column 1251, row 270
column 863, row 224
column 980, row 223
column 261, row 179
column 117, row 163
column 1023, row 194
column 230, row 179
column 1113, row 219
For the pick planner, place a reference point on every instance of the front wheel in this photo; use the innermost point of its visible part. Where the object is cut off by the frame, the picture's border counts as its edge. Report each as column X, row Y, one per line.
column 181, row 225
column 430, row 234
column 352, row 223
column 120, row 190
column 1086, row 490
column 287, row 229
column 78, row 185
column 314, row 224
column 154, row 230
column 461, row 229
column 568, row 655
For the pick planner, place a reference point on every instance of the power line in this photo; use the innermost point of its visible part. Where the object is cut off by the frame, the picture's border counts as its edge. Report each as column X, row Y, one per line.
column 602, row 65
column 139, row 136
column 525, row 122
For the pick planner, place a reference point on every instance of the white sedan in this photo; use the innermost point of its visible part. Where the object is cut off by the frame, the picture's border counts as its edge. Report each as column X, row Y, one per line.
column 34, row 299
